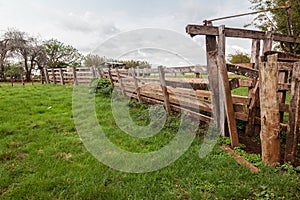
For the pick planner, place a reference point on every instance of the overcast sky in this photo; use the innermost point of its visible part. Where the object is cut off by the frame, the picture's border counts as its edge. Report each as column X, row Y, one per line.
column 86, row 24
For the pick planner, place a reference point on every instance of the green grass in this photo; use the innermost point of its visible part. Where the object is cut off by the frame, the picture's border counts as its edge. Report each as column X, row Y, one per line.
column 42, row 157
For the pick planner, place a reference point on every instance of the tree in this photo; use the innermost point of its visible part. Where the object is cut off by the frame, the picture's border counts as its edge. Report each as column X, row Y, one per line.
column 278, row 19
column 238, row 57
column 61, row 55
column 14, row 70
column 91, row 60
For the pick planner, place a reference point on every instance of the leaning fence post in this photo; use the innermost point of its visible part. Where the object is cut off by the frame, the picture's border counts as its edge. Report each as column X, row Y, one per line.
column 269, row 107
column 164, row 89
column 226, row 94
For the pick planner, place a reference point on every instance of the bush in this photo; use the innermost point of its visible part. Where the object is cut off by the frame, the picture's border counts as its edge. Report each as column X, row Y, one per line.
column 101, row 86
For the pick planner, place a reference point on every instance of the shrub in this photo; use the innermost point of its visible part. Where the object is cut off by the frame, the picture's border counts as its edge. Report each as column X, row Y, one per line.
column 101, row 86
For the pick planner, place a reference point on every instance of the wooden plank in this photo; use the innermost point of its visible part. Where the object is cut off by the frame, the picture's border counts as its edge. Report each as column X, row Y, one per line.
column 244, row 71
column 240, row 160
column 164, row 89
column 238, row 33
column 269, row 105
column 227, row 92
column 294, row 115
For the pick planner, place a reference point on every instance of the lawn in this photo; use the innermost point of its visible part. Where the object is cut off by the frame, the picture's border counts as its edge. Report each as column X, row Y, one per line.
column 42, row 157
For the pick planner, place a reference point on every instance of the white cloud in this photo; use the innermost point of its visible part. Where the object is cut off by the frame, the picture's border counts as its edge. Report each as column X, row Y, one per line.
column 87, row 24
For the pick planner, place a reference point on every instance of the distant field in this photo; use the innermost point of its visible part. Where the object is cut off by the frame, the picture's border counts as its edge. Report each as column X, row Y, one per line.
column 42, row 157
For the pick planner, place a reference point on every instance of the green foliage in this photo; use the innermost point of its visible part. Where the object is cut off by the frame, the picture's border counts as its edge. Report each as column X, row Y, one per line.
column 61, row 55
column 101, row 86
column 91, row 60
column 224, row 140
column 252, row 158
column 14, row 70
column 238, row 57
column 276, row 19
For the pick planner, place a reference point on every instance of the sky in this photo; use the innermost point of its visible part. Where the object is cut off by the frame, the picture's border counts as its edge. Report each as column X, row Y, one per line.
column 153, row 30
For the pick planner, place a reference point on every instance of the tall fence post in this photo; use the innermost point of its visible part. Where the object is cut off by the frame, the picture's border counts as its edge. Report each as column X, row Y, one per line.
column 226, row 94
column 255, row 52
column 293, row 132
column 213, row 76
column 75, row 81
column 61, row 76
column 137, row 88
column 164, row 89
column 269, row 106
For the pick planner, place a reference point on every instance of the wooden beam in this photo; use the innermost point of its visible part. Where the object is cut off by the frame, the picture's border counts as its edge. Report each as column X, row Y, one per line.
column 244, row 71
column 255, row 52
column 239, row 33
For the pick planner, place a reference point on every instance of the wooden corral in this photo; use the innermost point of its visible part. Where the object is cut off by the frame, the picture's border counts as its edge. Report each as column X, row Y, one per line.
column 272, row 77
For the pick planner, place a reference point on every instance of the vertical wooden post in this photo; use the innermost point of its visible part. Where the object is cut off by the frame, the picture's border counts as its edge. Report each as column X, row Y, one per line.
column 164, row 89
column 138, row 71
column 46, row 75
column 120, row 82
column 22, row 80
column 61, row 76
column 268, row 42
column 137, row 88
column 293, row 132
column 93, row 72
column 230, row 114
column 282, row 78
column 75, row 80
column 100, row 72
column 269, row 106
column 255, row 52
column 53, row 76
column 253, row 110
column 110, row 77
column 213, row 76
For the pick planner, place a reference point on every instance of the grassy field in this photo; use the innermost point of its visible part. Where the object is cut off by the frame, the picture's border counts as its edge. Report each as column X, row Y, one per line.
column 42, row 157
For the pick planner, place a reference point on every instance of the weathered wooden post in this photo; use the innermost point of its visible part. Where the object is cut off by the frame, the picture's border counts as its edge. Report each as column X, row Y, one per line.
column 75, row 80
column 46, row 75
column 268, row 42
column 61, row 76
column 213, row 76
column 93, row 72
column 120, row 82
column 255, row 52
column 110, row 77
column 137, row 88
column 227, row 98
column 164, row 89
column 53, row 76
column 269, row 106
column 293, row 132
